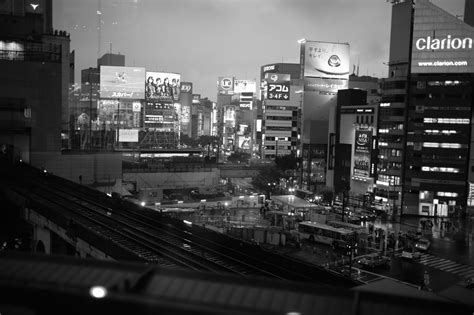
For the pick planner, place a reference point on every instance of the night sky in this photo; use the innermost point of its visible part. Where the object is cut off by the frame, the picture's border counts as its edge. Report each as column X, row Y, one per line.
column 203, row 39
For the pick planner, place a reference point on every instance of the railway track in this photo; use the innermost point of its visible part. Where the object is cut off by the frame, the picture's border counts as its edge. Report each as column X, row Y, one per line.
column 157, row 238
column 149, row 242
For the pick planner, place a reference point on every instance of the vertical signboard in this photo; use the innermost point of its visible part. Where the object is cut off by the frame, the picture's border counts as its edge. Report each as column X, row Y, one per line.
column 362, row 153
column 225, row 85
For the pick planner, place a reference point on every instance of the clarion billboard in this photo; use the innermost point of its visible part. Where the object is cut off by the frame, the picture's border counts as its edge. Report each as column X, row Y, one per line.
column 441, row 42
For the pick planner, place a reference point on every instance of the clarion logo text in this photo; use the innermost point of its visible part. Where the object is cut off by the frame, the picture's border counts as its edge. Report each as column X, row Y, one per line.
column 429, row 43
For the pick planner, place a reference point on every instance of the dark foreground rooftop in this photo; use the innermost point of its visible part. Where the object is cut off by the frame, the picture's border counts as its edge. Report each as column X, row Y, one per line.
column 37, row 284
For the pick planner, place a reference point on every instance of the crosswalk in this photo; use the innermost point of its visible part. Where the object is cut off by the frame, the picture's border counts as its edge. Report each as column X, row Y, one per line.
column 447, row 265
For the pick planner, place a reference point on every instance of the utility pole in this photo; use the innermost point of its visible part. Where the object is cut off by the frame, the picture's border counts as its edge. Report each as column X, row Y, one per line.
column 343, row 204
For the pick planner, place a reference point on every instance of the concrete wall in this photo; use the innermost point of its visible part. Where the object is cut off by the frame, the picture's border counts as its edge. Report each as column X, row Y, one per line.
column 166, row 180
column 94, row 168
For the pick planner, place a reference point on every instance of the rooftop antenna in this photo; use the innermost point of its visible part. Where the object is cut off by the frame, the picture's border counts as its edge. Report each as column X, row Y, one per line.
column 358, row 63
column 99, row 22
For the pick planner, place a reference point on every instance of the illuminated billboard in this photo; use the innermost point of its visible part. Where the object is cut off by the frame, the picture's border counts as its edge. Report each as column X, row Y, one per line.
column 127, row 135
column 162, row 86
column 325, row 85
column 278, row 91
column 114, row 113
column 245, row 86
column 159, row 115
column 196, row 98
column 441, row 43
column 277, row 77
column 326, row 60
column 186, row 87
column 225, row 85
column 122, row 82
column 362, row 152
column 185, row 114
column 244, row 142
column 229, row 115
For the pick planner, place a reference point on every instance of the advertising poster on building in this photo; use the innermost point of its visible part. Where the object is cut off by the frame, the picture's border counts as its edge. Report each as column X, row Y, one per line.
column 229, row 115
column 245, row 86
column 185, row 114
column 162, row 86
column 122, row 82
column 441, row 44
column 196, row 98
column 244, row 143
column 186, row 87
column 158, row 114
column 362, row 152
column 127, row 135
column 114, row 113
column 326, row 60
column 278, row 91
column 325, row 85
column 225, row 85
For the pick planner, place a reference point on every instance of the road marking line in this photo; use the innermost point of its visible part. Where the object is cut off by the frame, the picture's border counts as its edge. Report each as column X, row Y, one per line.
column 463, row 274
column 445, row 265
column 424, row 260
column 425, row 255
column 459, row 271
column 434, row 261
column 457, row 268
column 469, row 274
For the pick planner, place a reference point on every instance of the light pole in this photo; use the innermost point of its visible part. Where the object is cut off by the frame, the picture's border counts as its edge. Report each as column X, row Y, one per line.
column 276, row 147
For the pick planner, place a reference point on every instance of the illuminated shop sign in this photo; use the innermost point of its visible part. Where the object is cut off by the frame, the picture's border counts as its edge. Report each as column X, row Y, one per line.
column 430, row 43
column 278, row 91
column 225, row 85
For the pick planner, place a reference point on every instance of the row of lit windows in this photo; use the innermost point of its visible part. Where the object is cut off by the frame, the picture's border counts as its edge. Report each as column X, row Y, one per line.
column 390, row 179
column 444, row 108
column 447, row 194
column 437, row 132
column 462, row 121
column 440, row 169
column 445, row 145
column 447, row 83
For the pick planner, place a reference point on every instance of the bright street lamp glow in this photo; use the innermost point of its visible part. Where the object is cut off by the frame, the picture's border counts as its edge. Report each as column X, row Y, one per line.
column 142, row 203
column 98, row 292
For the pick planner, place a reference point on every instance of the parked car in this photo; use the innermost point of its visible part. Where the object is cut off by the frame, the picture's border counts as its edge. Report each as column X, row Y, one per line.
column 410, row 253
column 374, row 260
column 422, row 244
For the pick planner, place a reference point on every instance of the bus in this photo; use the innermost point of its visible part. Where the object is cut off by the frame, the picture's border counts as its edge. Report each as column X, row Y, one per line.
column 361, row 231
column 323, row 233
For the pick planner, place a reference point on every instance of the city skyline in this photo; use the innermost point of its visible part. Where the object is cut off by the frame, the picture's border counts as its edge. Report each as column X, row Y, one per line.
column 211, row 38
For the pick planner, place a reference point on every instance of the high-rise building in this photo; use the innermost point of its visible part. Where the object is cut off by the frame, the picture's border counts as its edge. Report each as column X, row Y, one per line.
column 35, row 64
column 425, row 117
column 352, row 130
column 279, row 120
column 324, row 70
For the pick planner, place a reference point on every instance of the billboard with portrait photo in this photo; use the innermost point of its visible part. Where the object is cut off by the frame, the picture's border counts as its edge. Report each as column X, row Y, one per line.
column 122, row 82
column 162, row 86
column 326, row 60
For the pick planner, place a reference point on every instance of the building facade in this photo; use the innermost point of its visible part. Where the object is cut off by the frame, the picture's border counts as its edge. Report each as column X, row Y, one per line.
column 424, row 134
column 36, row 64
